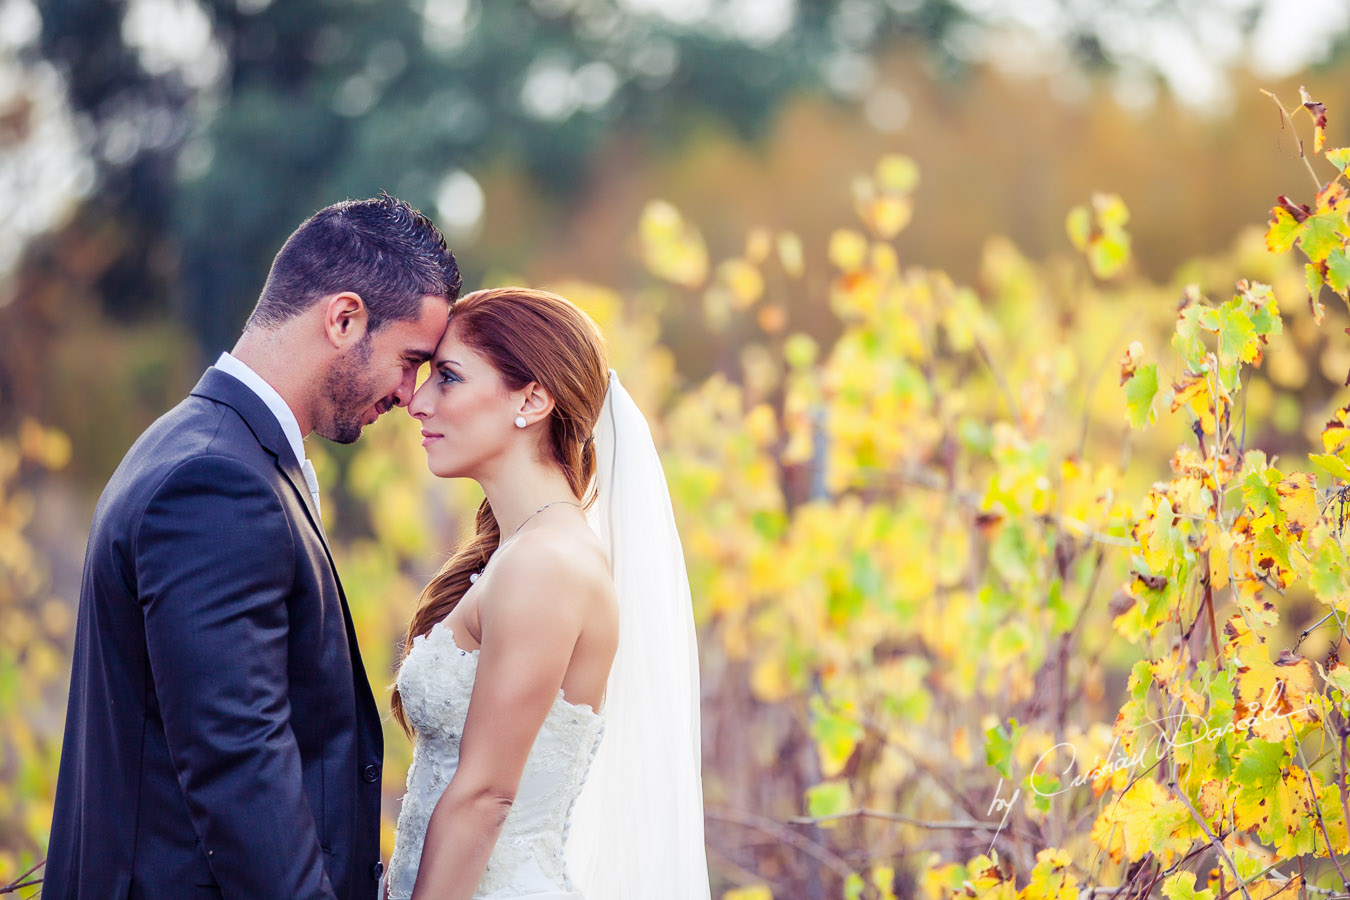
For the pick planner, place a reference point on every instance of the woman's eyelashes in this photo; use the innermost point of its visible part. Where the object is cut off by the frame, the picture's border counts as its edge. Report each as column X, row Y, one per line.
column 449, row 376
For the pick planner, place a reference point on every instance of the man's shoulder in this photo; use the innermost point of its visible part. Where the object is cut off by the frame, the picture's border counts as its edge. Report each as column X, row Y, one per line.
column 198, row 430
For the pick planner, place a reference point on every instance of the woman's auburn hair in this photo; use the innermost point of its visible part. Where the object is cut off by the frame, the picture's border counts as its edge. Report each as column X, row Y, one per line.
column 528, row 336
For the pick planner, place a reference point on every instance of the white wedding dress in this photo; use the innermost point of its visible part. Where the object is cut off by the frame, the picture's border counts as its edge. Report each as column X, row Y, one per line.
column 435, row 682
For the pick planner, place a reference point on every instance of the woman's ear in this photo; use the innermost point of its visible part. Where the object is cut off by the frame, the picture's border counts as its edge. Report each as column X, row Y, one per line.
column 536, row 403
column 345, row 319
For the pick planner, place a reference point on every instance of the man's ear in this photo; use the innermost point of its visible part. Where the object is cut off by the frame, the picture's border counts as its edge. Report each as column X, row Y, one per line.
column 345, row 319
column 536, row 403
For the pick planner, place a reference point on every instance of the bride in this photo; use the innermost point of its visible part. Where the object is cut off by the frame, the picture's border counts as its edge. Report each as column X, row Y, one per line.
column 550, row 676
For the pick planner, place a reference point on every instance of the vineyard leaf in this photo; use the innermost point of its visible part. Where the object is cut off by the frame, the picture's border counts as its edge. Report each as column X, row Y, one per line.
column 827, row 799
column 1146, row 818
column 1181, row 886
column 790, row 254
column 1332, row 465
column 751, row 892
column 1139, row 393
column 1298, row 502
column 836, row 736
column 848, row 249
column 897, row 174
column 1338, row 270
column 1283, row 230
column 1336, row 433
column 1237, row 335
column 672, row 248
column 1313, row 274
column 1321, row 235
column 1051, row 878
column 998, row 746
column 1078, row 225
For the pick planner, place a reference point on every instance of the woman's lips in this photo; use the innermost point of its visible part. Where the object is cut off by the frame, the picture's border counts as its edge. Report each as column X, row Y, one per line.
column 428, row 437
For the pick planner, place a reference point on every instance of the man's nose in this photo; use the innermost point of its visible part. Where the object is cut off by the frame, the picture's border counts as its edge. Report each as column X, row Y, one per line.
column 403, row 394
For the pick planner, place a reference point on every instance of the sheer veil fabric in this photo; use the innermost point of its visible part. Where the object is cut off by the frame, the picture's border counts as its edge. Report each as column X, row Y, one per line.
column 637, row 827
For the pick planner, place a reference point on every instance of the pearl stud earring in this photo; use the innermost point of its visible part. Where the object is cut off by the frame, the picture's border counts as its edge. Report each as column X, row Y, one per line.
column 520, row 422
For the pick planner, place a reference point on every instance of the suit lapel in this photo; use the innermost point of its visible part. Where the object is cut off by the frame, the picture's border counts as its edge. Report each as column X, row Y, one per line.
column 225, row 388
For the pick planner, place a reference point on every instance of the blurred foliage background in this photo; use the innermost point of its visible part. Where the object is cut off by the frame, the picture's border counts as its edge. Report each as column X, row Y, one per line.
column 703, row 177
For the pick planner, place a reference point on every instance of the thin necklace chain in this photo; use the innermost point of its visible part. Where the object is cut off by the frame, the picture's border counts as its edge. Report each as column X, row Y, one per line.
column 535, row 513
column 476, row 575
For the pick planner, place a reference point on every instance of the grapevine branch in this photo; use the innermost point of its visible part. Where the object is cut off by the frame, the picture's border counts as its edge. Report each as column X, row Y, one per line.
column 777, row 831
column 1290, row 119
column 1214, row 841
column 23, row 880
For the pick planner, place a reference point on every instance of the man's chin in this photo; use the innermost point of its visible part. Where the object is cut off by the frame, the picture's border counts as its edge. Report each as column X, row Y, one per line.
column 341, row 432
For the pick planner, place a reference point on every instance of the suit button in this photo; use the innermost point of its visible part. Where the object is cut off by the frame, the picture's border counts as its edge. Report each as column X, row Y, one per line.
column 377, row 870
column 371, row 774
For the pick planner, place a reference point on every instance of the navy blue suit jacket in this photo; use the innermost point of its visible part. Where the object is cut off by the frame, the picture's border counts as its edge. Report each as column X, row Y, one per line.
column 221, row 737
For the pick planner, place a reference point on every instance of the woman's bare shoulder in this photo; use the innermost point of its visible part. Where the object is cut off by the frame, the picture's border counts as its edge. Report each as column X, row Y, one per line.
column 557, row 562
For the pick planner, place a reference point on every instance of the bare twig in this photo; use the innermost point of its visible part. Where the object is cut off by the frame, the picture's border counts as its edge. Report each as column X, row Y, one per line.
column 780, row 832
column 1214, row 841
column 24, row 880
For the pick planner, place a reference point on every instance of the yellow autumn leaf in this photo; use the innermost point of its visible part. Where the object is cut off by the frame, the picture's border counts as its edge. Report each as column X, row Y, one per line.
column 672, row 248
column 848, row 249
column 1193, row 392
column 1146, row 818
column 742, row 280
column 1336, row 433
column 753, row 892
column 888, row 216
column 790, row 254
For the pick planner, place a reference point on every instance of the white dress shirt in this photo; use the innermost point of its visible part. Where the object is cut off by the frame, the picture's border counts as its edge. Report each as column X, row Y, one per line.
column 289, row 425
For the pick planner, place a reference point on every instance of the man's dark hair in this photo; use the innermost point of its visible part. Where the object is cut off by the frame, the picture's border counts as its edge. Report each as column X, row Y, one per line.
column 381, row 248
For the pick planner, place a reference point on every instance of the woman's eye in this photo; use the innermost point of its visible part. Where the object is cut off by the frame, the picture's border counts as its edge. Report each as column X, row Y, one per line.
column 448, row 377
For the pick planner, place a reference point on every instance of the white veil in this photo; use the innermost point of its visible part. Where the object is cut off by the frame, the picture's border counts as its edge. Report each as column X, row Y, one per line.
column 637, row 828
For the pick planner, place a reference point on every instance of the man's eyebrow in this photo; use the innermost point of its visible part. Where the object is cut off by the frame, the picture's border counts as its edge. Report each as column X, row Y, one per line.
column 418, row 356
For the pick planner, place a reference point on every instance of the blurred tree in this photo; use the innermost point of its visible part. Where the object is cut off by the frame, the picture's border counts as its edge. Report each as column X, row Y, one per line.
column 219, row 124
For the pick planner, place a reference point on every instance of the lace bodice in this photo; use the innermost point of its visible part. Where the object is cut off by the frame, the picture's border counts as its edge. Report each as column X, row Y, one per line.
column 435, row 682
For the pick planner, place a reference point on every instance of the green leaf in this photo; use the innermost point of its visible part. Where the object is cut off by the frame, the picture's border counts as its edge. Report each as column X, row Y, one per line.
column 1108, row 254
column 800, row 350
column 1189, row 337
column 1237, row 334
column 828, row 798
column 835, row 735
column 1321, row 235
column 1258, row 491
column 1139, row 393
column 998, row 746
column 1270, row 546
column 1338, row 270
column 1283, row 230
column 1181, row 886
column 1331, row 464
column 1111, row 211
column 1260, row 763
column 1340, row 158
column 853, row 886
column 1266, row 320
column 1078, row 224
column 1313, row 276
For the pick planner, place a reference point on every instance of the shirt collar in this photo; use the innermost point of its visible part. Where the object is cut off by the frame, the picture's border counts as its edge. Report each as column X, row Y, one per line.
column 231, row 365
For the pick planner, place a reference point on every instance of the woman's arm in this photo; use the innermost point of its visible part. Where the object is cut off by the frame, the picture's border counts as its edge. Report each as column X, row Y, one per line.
column 530, row 622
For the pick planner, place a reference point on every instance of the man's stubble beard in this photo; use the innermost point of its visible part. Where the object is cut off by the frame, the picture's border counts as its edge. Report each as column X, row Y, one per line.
column 348, row 393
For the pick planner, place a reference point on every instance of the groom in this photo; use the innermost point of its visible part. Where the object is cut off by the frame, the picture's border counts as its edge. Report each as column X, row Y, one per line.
column 221, row 737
